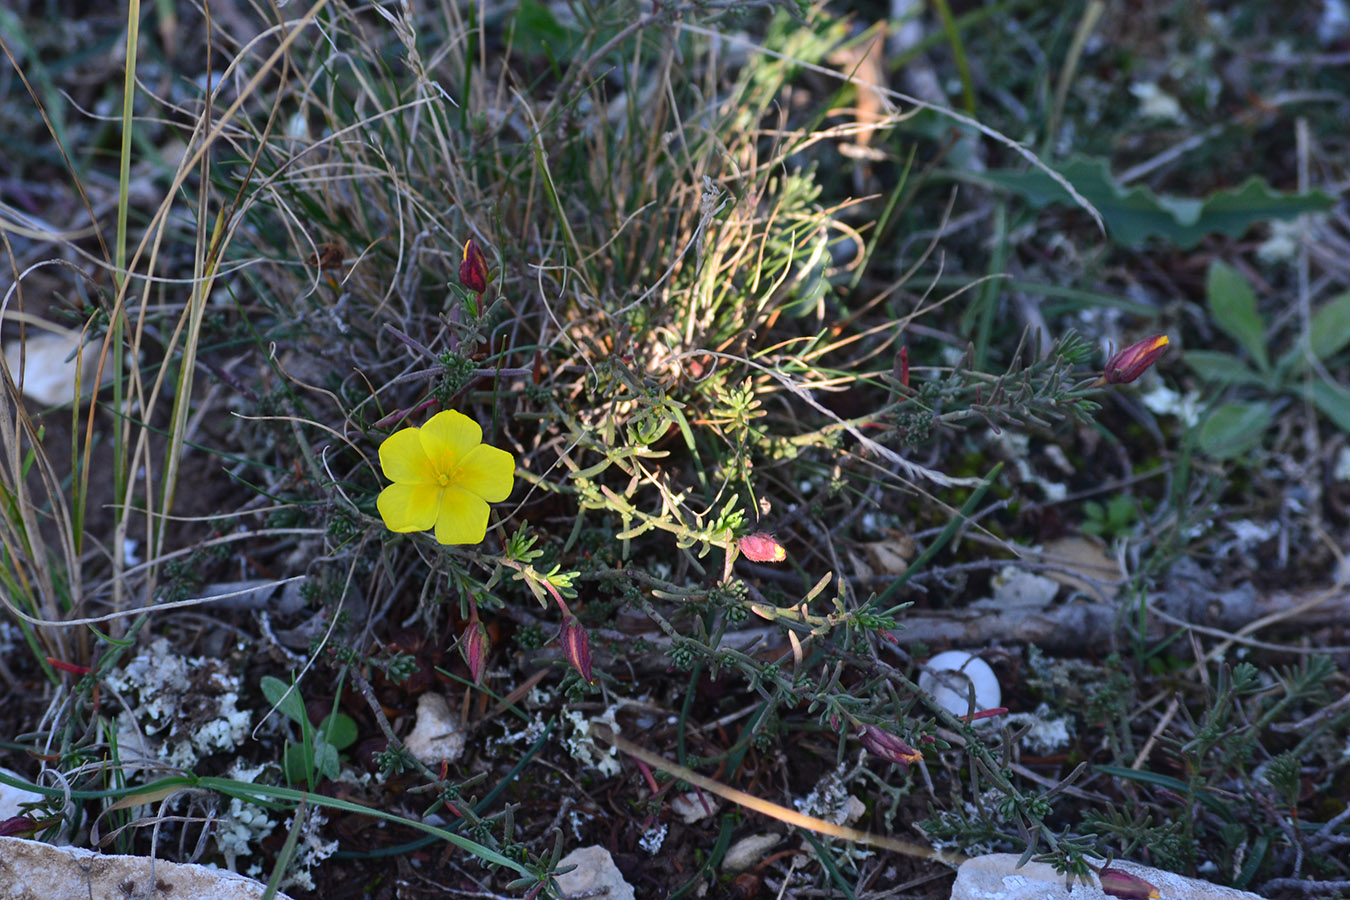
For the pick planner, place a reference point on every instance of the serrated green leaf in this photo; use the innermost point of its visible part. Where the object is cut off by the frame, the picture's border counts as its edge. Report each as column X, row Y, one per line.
column 1133, row 215
column 290, row 705
column 1232, row 306
column 1330, row 327
column 1333, row 401
column 1234, row 428
column 1221, row 368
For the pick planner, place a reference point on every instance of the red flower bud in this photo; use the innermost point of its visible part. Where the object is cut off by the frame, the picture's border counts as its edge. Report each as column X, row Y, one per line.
column 473, row 270
column 474, row 644
column 887, row 746
column 577, row 646
column 762, row 547
column 1119, row 883
column 1134, row 360
column 72, row 668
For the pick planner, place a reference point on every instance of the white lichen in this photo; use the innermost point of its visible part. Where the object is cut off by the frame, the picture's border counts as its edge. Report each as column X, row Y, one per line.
column 311, row 850
column 243, row 826
column 653, row 838
column 187, row 708
column 828, row 801
column 582, row 746
column 1163, row 401
column 1155, row 103
column 1046, row 733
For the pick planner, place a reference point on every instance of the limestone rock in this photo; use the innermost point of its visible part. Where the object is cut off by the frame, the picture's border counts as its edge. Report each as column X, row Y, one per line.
column 30, row 870
column 437, row 734
column 594, row 870
column 996, row 877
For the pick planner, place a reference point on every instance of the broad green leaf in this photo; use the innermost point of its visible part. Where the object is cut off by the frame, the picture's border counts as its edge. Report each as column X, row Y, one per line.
column 1334, row 402
column 1133, row 215
column 1232, row 305
column 1288, row 364
column 297, row 763
column 1221, row 368
column 1330, row 327
column 290, row 705
column 339, row 729
column 1234, row 428
column 326, row 759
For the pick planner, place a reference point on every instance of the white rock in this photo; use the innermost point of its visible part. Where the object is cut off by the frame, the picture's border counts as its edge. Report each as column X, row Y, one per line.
column 948, row 676
column 996, row 877
column 34, row 869
column 49, row 377
column 594, row 870
column 749, row 851
column 11, row 797
column 437, row 734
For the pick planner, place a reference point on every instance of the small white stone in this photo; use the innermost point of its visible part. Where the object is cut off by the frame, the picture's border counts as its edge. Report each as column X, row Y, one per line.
column 948, row 676
column 693, row 806
column 49, row 375
column 749, row 851
column 595, row 871
column 437, row 734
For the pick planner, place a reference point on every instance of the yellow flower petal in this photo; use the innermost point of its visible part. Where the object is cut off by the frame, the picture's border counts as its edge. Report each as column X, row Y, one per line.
column 462, row 517
column 488, row 472
column 448, row 436
column 404, row 461
column 409, row 507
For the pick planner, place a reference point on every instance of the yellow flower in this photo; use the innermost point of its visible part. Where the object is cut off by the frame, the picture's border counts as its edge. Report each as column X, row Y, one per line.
column 444, row 476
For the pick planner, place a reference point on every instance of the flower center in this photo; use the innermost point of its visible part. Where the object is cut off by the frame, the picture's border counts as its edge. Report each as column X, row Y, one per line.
column 443, row 478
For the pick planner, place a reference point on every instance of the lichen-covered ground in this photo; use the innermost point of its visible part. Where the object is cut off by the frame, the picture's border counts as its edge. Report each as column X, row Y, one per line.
column 794, row 321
